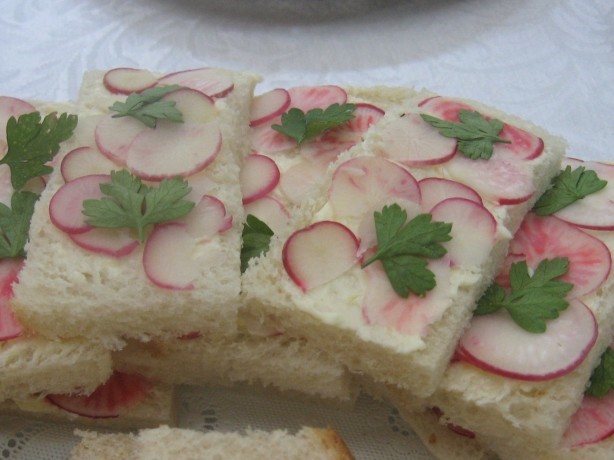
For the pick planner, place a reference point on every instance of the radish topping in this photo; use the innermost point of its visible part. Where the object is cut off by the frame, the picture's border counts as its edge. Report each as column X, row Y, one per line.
column 264, row 139
column 495, row 343
column 444, row 108
column 271, row 211
column 320, row 253
column 362, row 184
column 268, row 106
column 593, row 422
column 298, row 181
column 114, row 135
column 413, row 142
column 85, row 161
column 436, row 189
column 195, row 107
column 66, row 206
column 213, row 82
column 473, row 230
column 11, row 107
column 126, row 80
column 541, row 238
column 259, row 176
column 114, row 242
column 9, row 271
column 207, row 218
column 174, row 150
column 316, row 97
column 118, row 394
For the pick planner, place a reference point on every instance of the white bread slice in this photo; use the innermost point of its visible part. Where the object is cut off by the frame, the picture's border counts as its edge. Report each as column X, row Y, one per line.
column 182, row 444
column 331, row 314
column 107, row 299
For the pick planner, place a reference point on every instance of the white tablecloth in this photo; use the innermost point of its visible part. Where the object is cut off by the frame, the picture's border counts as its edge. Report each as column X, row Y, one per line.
column 551, row 62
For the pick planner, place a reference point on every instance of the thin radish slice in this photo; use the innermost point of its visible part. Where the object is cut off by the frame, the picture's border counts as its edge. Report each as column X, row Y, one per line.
column 268, row 106
column 298, row 181
column 118, row 394
column 168, row 257
column 259, row 176
column 473, row 230
column 85, row 161
column 264, row 139
column 66, row 206
column 541, row 238
column 596, row 211
column 174, row 150
column 12, row 107
column 500, row 180
column 316, row 97
column 114, row 242
column 9, row 326
column 9, row 272
column 115, row 135
column 126, row 80
column 443, row 107
column 319, row 253
column 213, row 82
column 362, row 184
column 436, row 189
column 381, row 305
column 495, row 343
column 201, row 184
column 271, row 211
column 196, row 107
column 207, row 219
column 413, row 142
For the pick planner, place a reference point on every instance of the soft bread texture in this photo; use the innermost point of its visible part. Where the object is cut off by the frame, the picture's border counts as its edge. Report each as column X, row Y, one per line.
column 288, row 365
column 108, row 299
column 168, row 443
column 412, row 363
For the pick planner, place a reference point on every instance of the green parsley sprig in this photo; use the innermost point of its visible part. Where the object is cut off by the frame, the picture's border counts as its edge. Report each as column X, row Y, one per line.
column 256, row 240
column 532, row 299
column 302, row 126
column 568, row 187
column 148, row 106
column 404, row 247
column 475, row 134
column 131, row 204
column 15, row 224
column 602, row 380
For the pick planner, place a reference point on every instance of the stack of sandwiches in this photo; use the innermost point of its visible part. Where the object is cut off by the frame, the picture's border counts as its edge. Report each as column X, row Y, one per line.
column 322, row 241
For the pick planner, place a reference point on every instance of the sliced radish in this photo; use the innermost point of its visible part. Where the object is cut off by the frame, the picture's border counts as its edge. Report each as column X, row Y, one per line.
column 114, row 242
column 318, row 254
column 9, row 326
column 85, row 161
column 413, row 142
column 298, row 181
column 9, row 272
column 118, row 394
column 268, row 106
column 259, row 176
column 505, row 181
column 593, row 422
column 495, row 343
column 541, row 238
column 12, row 107
column 271, row 211
column 362, row 184
column 264, row 139
column 168, row 257
column 411, row 316
column 596, row 211
column 436, row 189
column 444, row 108
column 207, row 218
column 174, row 150
column 66, row 206
column 213, row 82
column 307, row 98
column 200, row 184
column 196, row 107
column 473, row 230
column 126, row 80
column 115, row 135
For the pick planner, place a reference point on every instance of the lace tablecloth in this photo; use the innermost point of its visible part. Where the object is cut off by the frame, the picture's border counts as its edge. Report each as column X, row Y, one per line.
column 551, row 62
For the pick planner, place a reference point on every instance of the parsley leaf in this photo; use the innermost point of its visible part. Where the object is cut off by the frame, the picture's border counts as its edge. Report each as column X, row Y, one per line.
column 403, row 248
column 532, row 299
column 15, row 224
column 131, row 204
column 32, row 143
column 256, row 239
column 476, row 135
column 148, row 106
column 302, row 126
column 602, row 380
column 568, row 187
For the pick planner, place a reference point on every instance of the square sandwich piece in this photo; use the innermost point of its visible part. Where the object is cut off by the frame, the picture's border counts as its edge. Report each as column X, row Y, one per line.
column 370, row 268
column 157, row 253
